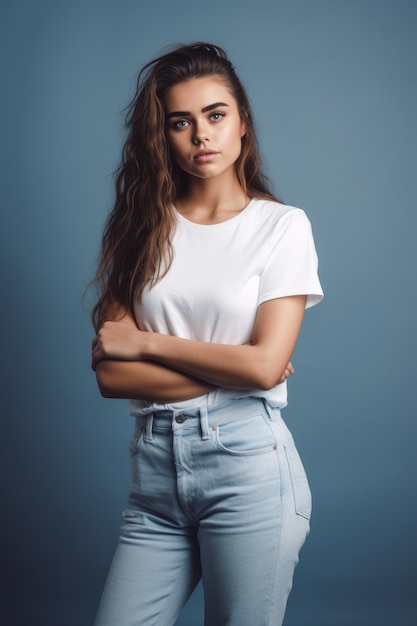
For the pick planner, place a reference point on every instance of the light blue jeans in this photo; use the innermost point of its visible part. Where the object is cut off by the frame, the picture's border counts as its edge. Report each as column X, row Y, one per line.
column 217, row 493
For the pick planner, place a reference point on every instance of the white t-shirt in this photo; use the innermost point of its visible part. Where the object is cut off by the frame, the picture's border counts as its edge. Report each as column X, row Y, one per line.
column 220, row 274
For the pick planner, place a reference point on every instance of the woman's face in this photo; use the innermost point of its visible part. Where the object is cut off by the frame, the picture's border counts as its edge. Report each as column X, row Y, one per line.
column 203, row 127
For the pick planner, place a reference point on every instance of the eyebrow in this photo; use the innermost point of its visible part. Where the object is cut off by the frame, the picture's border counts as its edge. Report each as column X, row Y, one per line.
column 210, row 107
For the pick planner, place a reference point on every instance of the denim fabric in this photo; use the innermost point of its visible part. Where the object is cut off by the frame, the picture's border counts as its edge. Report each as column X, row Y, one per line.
column 217, row 493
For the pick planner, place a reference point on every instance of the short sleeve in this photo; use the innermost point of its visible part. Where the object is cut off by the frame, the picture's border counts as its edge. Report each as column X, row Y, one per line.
column 291, row 267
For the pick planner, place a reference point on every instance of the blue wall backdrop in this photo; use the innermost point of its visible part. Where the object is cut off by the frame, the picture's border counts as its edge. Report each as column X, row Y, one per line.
column 333, row 87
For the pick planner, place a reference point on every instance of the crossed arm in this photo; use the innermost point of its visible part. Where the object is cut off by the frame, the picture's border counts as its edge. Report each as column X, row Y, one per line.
column 130, row 363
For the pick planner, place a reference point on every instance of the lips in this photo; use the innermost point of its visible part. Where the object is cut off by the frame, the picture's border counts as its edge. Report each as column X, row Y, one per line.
column 205, row 155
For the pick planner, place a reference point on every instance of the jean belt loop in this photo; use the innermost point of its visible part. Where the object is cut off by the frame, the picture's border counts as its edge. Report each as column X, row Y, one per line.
column 148, row 429
column 204, row 423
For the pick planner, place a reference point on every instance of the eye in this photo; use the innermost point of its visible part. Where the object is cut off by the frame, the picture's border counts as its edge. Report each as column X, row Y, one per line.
column 217, row 116
column 179, row 124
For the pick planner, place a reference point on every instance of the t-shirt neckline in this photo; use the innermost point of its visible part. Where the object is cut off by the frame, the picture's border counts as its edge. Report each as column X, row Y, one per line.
column 225, row 224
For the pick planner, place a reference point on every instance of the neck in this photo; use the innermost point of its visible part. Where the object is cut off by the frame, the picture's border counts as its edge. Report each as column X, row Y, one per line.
column 207, row 201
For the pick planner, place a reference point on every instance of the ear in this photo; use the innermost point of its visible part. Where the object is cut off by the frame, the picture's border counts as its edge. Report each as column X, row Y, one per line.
column 243, row 118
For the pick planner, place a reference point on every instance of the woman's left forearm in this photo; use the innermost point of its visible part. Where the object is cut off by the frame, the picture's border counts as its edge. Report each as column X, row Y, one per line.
column 218, row 364
column 258, row 365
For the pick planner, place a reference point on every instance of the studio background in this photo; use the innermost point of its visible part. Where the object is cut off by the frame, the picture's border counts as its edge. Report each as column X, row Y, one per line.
column 332, row 84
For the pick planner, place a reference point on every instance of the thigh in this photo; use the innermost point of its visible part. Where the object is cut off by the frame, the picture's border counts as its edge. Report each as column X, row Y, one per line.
column 156, row 563
column 249, row 546
column 154, row 570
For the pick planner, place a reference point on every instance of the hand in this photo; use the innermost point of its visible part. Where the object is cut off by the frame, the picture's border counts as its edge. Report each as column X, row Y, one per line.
column 289, row 370
column 117, row 340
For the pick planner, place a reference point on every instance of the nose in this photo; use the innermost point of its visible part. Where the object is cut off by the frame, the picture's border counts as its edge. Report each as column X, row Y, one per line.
column 200, row 134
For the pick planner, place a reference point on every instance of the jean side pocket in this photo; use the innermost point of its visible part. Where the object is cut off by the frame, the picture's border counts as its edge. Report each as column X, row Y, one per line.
column 245, row 437
column 299, row 482
column 133, row 445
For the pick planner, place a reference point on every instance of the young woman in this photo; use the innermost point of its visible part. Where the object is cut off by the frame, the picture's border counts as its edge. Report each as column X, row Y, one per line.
column 204, row 280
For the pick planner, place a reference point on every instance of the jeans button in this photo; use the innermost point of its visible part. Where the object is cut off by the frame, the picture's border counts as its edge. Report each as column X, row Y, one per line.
column 180, row 419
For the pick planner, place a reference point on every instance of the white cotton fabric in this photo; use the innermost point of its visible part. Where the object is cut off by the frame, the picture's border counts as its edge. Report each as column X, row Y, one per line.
column 220, row 274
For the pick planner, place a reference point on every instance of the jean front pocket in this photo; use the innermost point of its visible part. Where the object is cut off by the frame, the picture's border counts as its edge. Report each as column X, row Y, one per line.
column 133, row 445
column 299, row 482
column 248, row 436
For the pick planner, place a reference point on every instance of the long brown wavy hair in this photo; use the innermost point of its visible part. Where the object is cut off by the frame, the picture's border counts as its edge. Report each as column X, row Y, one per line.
column 136, row 247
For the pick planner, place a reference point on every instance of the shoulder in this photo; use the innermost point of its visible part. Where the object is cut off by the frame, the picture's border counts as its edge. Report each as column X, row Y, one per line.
column 275, row 215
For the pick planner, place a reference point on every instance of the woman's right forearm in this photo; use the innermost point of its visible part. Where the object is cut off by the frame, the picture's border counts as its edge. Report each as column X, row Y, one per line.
column 147, row 381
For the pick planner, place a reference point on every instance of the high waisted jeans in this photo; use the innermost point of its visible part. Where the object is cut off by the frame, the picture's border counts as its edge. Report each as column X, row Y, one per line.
column 217, row 493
